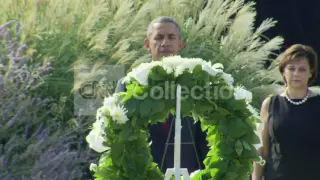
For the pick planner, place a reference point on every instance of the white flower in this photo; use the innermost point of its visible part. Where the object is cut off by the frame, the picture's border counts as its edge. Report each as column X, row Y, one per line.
column 179, row 70
column 95, row 140
column 93, row 167
column 241, row 93
column 141, row 72
column 187, row 64
column 171, row 62
column 101, row 120
column 218, row 66
column 95, row 137
column 110, row 102
column 228, row 78
column 209, row 70
column 190, row 64
column 194, row 173
column 100, row 124
column 118, row 114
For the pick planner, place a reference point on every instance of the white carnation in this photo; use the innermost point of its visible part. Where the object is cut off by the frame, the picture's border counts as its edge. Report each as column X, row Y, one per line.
column 209, row 70
column 179, row 70
column 228, row 78
column 218, row 66
column 171, row 62
column 118, row 114
column 93, row 167
column 141, row 72
column 241, row 93
column 187, row 64
column 95, row 141
column 110, row 102
column 95, row 137
column 190, row 64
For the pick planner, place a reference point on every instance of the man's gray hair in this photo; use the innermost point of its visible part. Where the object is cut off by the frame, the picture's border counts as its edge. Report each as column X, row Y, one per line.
column 162, row 19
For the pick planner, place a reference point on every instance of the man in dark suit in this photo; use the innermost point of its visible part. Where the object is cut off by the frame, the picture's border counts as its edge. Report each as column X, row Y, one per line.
column 164, row 39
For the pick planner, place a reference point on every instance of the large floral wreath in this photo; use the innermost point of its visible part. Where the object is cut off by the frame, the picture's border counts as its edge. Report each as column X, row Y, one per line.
column 121, row 128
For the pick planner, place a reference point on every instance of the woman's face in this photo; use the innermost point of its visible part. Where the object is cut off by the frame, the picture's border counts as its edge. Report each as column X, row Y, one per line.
column 297, row 73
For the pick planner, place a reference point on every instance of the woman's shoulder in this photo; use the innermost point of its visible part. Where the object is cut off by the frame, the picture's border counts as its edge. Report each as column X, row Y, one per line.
column 268, row 99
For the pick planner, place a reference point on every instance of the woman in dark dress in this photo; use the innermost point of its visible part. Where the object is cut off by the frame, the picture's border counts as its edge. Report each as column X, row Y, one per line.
column 291, row 135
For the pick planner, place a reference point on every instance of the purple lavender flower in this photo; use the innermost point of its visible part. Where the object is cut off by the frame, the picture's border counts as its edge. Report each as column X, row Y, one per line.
column 5, row 161
column 39, row 129
column 28, row 133
column 3, row 28
column 21, row 50
column 18, row 28
column 36, row 140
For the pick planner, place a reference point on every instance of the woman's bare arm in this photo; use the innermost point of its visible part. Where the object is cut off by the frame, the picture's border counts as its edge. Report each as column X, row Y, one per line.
column 263, row 151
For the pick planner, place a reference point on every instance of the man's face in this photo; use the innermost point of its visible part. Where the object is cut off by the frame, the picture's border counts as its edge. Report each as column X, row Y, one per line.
column 163, row 41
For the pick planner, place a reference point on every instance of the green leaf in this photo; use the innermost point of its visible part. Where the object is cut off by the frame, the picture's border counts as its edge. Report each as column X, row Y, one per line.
column 133, row 137
column 157, row 73
column 203, row 106
column 154, row 172
column 204, row 127
column 133, row 121
column 139, row 90
column 212, row 102
column 246, row 145
column 239, row 105
column 117, row 150
column 216, row 162
column 145, row 107
column 186, row 106
column 158, row 106
column 125, row 133
column 210, row 121
column 197, row 69
column 251, row 138
column 132, row 105
column 186, row 79
column 231, row 175
column 234, row 127
column 225, row 148
column 251, row 155
column 223, row 111
column 217, row 116
column 238, row 147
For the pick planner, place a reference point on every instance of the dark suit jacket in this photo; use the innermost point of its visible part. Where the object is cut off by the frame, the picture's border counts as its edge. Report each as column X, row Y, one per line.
column 193, row 142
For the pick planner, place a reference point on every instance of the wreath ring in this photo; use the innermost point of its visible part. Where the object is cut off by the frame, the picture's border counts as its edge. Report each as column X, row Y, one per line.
column 231, row 123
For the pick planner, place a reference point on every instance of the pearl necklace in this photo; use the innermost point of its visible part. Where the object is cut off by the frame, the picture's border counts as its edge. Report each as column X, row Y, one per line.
column 299, row 102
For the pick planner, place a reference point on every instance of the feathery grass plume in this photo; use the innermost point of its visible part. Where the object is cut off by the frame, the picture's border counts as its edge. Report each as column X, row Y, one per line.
column 113, row 32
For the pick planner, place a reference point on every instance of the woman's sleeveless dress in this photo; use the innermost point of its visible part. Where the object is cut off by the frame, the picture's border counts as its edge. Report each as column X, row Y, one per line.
column 294, row 130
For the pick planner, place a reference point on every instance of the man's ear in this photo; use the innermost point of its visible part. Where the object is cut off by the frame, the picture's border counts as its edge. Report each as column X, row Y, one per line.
column 147, row 44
